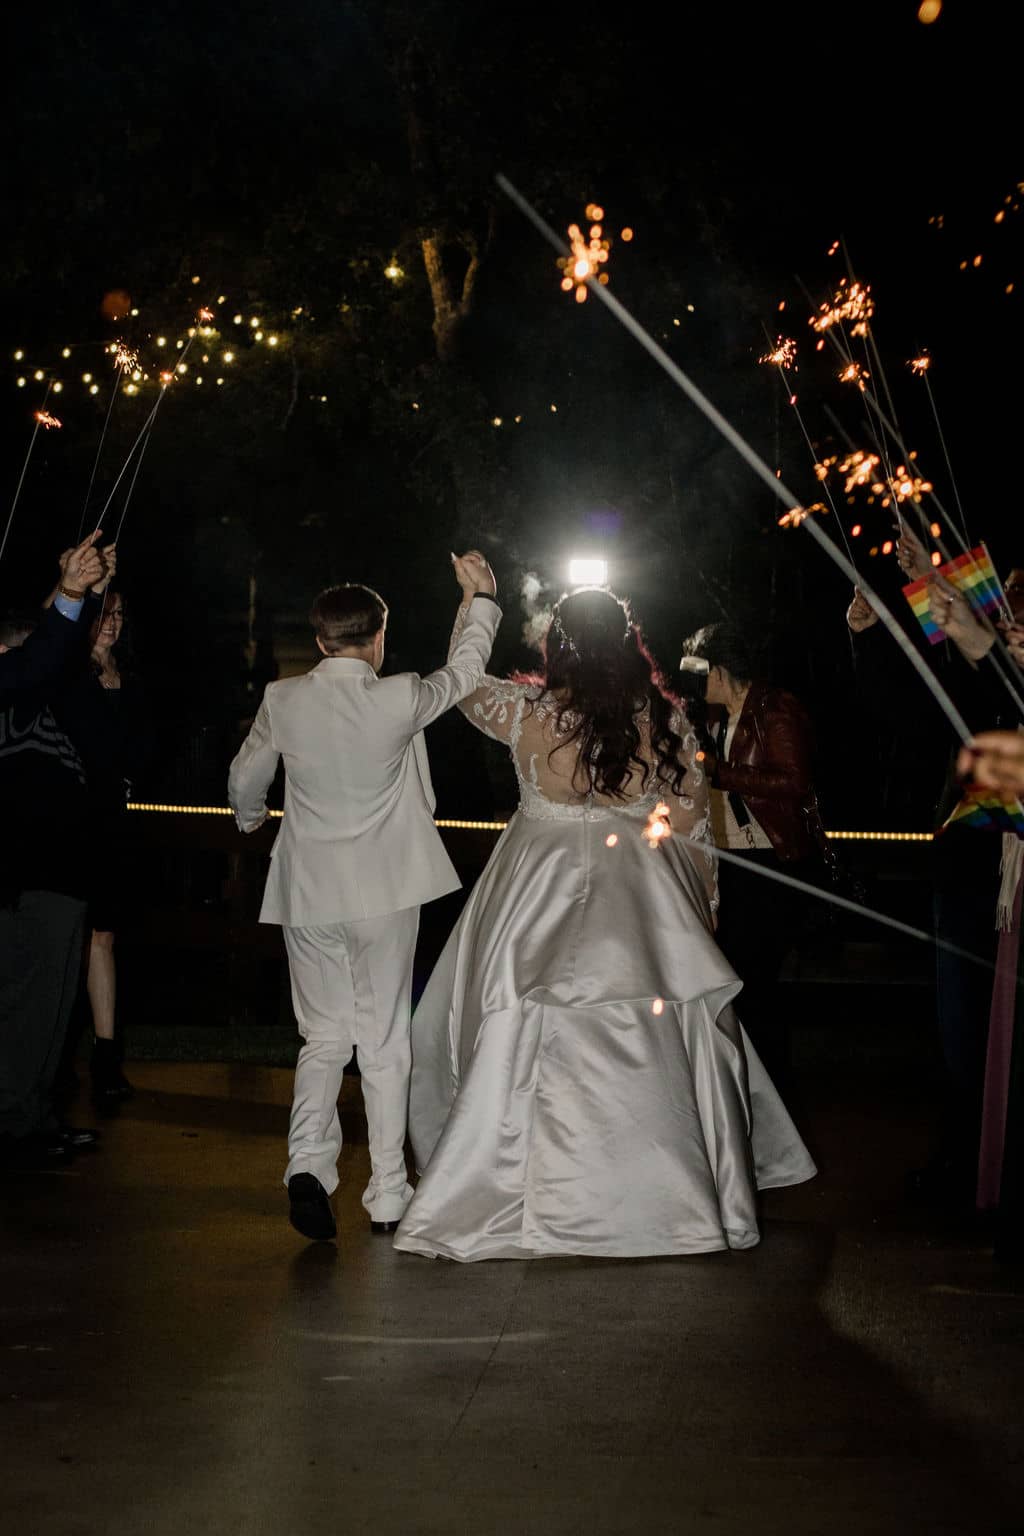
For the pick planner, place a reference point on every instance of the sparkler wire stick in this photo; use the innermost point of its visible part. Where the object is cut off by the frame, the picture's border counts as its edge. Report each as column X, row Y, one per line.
column 99, row 450
column 945, row 454
column 839, row 901
column 825, row 487
column 24, row 469
column 135, row 476
column 756, row 463
column 131, row 454
column 143, row 439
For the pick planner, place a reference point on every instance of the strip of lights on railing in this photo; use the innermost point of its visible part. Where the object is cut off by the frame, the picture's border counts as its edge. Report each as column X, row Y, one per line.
column 499, row 826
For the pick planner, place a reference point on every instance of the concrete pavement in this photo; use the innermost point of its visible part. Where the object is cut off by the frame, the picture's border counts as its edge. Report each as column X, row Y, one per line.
column 174, row 1357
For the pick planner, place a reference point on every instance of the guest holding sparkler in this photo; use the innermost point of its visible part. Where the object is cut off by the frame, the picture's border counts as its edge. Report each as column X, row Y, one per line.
column 47, row 855
column 759, row 759
column 976, row 893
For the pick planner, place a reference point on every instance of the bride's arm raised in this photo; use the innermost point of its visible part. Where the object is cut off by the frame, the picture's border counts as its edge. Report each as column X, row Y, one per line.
column 492, row 706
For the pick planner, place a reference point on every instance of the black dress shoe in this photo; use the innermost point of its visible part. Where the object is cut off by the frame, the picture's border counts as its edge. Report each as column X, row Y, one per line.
column 78, row 1136
column 384, row 1226
column 310, row 1211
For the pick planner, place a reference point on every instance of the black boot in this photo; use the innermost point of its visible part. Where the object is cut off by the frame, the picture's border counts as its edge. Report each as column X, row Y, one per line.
column 110, row 1087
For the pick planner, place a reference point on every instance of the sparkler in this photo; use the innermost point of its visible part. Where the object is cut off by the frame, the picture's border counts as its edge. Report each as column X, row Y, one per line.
column 920, row 366
column 127, row 360
column 900, row 487
column 658, row 825
column 819, row 894
column 796, row 515
column 998, row 654
column 754, row 460
column 855, row 373
column 851, row 302
column 588, row 255
column 46, row 420
column 782, row 355
column 859, row 468
column 38, row 417
column 903, row 486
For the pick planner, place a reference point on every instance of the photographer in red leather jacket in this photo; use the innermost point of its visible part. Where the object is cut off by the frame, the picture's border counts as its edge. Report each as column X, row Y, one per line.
column 760, row 752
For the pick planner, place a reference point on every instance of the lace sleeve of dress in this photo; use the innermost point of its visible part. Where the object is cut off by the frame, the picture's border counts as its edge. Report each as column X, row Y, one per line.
column 691, row 808
column 496, row 708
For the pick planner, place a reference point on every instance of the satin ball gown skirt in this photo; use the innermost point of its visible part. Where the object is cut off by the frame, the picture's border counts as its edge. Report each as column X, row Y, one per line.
column 581, row 1083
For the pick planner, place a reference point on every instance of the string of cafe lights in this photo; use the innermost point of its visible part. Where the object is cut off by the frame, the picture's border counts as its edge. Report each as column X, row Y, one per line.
column 458, row 825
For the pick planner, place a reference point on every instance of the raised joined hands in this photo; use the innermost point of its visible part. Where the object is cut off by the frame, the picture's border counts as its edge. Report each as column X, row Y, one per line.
column 474, row 575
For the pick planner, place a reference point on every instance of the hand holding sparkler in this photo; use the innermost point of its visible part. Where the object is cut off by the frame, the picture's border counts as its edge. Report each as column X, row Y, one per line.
column 82, row 567
column 108, row 555
column 952, row 613
column 994, row 760
column 912, row 555
column 474, row 575
column 860, row 615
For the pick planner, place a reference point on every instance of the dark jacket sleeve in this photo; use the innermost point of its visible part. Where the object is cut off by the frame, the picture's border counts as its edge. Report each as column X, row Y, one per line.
column 786, row 773
column 40, row 661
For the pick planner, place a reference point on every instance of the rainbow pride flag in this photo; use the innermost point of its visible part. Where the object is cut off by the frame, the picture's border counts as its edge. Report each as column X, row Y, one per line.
column 983, row 808
column 974, row 575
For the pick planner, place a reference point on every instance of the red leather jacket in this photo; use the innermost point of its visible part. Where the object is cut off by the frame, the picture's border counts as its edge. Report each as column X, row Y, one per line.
column 769, row 767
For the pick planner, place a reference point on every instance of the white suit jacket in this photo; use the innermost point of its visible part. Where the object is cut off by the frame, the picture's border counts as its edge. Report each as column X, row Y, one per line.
column 358, row 838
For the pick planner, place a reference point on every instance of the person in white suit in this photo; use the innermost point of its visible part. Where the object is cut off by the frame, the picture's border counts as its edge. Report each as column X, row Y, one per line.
column 356, row 856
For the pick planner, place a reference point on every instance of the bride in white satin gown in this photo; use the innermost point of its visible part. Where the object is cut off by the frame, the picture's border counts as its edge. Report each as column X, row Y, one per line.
column 580, row 1081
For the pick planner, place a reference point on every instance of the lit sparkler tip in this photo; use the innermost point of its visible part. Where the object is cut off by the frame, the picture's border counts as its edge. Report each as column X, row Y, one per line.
column 125, row 357
column 920, row 364
column 782, row 355
column 851, row 303
column 589, row 253
column 854, row 373
column 796, row 515
column 205, row 315
column 858, row 467
column 45, row 419
column 658, row 825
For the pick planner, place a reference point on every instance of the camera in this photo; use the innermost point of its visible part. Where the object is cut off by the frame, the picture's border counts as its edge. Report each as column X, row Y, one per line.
column 693, row 688
column 693, row 678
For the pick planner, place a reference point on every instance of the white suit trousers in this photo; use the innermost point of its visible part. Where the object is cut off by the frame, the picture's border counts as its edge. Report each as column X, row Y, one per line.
column 352, row 986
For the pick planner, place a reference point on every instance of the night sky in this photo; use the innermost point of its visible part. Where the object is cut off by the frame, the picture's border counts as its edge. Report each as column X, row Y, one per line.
column 287, row 156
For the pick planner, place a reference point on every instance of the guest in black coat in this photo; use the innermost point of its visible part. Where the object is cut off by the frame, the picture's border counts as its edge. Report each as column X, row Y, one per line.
column 46, row 855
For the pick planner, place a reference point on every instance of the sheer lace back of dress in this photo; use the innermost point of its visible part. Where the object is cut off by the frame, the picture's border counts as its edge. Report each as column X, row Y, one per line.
column 526, row 720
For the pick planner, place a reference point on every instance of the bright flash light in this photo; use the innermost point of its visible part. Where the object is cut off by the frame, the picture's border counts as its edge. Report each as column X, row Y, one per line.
column 588, row 573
